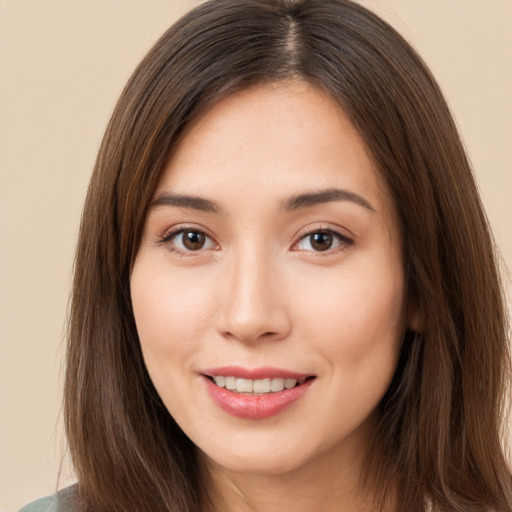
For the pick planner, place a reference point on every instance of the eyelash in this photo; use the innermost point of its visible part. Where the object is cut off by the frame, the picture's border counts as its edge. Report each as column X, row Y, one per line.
column 168, row 238
column 342, row 240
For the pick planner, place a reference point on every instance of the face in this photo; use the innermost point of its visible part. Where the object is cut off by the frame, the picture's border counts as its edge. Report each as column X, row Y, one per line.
column 268, row 288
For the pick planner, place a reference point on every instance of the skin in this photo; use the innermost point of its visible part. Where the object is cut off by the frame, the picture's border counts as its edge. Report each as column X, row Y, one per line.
column 259, row 293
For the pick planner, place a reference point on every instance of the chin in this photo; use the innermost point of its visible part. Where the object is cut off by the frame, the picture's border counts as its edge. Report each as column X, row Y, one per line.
column 270, row 460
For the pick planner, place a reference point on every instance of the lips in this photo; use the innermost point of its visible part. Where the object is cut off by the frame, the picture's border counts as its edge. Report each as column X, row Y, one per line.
column 255, row 393
column 259, row 386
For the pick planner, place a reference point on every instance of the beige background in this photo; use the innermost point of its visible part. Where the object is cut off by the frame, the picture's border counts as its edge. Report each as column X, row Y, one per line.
column 62, row 65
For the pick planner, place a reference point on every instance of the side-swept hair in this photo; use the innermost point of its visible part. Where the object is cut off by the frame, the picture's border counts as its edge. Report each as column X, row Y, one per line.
column 440, row 422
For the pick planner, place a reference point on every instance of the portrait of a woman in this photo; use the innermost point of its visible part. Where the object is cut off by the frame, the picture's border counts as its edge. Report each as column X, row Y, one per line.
column 286, row 296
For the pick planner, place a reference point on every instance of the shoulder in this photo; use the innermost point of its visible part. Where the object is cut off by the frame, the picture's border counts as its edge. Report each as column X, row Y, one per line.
column 59, row 502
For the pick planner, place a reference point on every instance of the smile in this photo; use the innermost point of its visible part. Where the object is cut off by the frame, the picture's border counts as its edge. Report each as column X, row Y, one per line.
column 259, row 386
column 255, row 394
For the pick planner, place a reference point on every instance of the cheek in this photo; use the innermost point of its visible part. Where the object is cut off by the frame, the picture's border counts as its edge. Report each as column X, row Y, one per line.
column 354, row 317
column 356, row 328
column 170, row 309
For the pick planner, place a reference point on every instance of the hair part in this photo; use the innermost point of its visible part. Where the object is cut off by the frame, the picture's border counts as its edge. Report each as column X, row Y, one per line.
column 440, row 422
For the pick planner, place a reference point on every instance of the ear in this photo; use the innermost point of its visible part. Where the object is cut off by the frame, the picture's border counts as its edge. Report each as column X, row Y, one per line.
column 413, row 321
column 413, row 316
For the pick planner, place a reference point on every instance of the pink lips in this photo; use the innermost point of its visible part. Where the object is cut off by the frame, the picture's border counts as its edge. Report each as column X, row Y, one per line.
column 252, row 406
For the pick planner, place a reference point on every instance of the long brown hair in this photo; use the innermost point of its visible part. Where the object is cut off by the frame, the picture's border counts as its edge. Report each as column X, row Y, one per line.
column 440, row 422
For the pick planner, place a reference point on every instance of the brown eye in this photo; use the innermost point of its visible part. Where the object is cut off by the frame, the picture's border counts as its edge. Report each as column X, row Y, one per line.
column 188, row 240
column 321, row 241
column 193, row 240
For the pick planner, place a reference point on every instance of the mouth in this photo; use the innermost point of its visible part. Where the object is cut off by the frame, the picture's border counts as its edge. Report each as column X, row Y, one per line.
column 255, row 394
column 257, row 386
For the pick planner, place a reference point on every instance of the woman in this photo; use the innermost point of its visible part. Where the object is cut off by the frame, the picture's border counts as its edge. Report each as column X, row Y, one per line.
column 285, row 294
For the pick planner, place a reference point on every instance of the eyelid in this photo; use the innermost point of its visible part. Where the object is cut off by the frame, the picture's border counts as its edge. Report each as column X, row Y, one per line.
column 344, row 240
column 175, row 231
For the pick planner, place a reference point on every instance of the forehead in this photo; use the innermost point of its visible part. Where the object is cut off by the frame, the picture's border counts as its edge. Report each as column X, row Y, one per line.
column 274, row 140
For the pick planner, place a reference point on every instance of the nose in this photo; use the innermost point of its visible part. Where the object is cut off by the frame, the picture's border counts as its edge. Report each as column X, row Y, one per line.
column 253, row 300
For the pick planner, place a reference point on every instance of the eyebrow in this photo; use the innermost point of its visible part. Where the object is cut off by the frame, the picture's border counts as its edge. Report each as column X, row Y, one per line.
column 295, row 202
column 183, row 201
column 311, row 199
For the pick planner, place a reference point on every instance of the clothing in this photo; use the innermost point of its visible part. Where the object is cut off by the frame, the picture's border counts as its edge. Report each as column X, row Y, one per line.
column 47, row 504
column 60, row 502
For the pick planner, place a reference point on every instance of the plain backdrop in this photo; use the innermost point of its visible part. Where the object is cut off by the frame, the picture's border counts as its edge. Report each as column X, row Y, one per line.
column 63, row 64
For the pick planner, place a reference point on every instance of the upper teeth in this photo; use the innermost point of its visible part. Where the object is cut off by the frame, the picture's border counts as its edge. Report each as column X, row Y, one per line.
column 254, row 386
